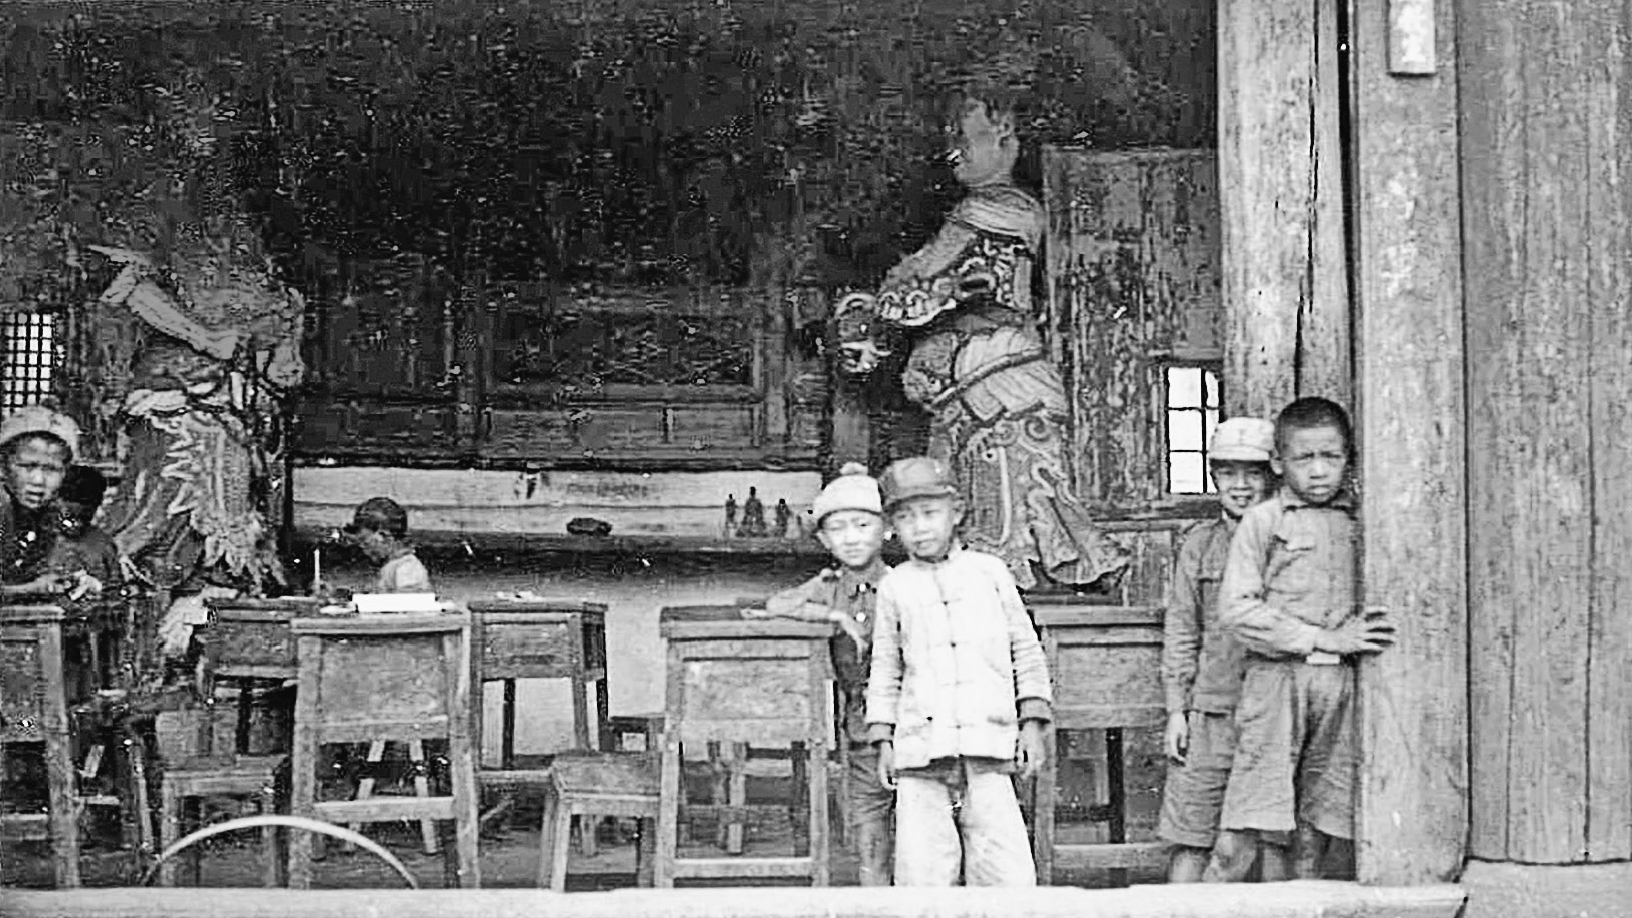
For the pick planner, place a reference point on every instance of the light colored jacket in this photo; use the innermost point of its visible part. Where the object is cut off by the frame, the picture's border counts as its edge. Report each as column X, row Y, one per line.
column 956, row 663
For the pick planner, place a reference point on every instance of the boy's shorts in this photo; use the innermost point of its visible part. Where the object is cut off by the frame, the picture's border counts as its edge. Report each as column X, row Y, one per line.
column 870, row 801
column 1193, row 795
column 1295, row 756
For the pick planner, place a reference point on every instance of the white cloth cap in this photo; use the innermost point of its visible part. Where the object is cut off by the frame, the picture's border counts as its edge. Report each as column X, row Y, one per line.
column 854, row 489
column 38, row 419
column 1243, row 440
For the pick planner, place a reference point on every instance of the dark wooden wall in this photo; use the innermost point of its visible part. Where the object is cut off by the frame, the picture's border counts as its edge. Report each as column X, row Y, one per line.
column 1546, row 141
column 1133, row 277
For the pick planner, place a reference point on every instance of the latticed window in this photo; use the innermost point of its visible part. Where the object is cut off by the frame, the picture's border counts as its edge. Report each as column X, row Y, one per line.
column 28, row 358
column 1193, row 404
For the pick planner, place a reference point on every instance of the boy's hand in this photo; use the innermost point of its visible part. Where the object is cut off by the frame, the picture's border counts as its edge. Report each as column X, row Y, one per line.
column 886, row 764
column 850, row 626
column 1371, row 633
column 1032, row 750
column 1176, row 739
column 84, row 585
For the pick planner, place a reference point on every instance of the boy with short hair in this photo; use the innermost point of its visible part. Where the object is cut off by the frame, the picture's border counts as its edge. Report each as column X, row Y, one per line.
column 380, row 528
column 849, row 516
column 1202, row 664
column 1290, row 599
column 959, row 690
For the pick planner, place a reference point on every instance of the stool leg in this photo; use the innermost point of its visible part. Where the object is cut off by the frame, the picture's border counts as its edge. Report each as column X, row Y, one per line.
column 170, row 803
column 646, row 852
column 365, row 787
column 271, row 863
column 548, row 839
column 1118, row 798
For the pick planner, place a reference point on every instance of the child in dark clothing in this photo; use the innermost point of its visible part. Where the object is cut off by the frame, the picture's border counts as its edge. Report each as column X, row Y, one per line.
column 1202, row 664
column 81, row 546
column 850, row 519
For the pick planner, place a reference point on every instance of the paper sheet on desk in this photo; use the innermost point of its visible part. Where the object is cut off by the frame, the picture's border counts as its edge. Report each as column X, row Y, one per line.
column 376, row 603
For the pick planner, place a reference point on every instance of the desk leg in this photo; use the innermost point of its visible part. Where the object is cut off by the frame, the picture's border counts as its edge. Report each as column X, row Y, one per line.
column 799, row 807
column 507, row 735
column 246, row 705
column 737, row 762
column 1114, row 764
column 668, row 814
column 603, row 716
column 1045, row 793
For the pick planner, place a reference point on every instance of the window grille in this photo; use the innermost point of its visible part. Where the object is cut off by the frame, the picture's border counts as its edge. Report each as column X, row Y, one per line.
column 28, row 360
column 1193, row 406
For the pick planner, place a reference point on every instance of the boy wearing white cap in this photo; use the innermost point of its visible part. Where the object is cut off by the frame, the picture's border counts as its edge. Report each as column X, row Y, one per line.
column 37, row 445
column 849, row 517
column 1202, row 664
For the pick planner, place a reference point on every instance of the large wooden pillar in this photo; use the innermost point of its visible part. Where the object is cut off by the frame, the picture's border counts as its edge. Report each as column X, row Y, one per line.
column 1547, row 145
column 1280, row 181
column 1413, row 806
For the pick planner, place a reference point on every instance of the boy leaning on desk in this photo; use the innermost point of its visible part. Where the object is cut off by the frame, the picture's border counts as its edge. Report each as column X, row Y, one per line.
column 849, row 516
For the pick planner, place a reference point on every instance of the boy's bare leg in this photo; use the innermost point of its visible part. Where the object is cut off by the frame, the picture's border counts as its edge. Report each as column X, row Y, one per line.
column 1188, row 864
column 1232, row 856
column 1311, row 851
column 1274, row 862
column 874, row 846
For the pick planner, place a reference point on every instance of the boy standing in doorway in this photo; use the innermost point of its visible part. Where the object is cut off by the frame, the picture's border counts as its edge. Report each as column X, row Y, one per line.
column 1290, row 599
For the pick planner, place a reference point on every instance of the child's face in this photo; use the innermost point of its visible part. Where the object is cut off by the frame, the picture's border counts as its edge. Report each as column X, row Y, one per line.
column 34, row 470
column 1239, row 484
column 375, row 544
column 852, row 537
column 1312, row 461
column 926, row 525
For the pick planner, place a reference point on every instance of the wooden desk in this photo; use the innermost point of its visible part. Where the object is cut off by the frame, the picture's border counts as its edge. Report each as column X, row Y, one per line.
column 731, row 680
column 1106, row 665
column 249, row 641
column 544, row 639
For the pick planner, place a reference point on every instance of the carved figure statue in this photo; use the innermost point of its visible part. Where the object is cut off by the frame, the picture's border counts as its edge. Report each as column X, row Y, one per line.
column 192, row 516
column 977, row 363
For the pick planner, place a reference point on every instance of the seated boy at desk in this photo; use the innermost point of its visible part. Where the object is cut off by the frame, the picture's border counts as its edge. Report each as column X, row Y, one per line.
column 380, row 528
column 849, row 516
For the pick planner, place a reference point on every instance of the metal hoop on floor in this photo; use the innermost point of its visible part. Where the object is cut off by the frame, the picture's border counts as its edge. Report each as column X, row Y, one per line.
column 292, row 822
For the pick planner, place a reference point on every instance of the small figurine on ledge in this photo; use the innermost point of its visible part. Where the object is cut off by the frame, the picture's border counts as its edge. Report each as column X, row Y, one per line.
column 783, row 514
column 753, row 516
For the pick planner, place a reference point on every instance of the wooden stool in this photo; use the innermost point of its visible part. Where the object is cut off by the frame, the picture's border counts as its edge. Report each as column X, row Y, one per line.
column 34, row 710
column 539, row 639
column 389, row 678
column 241, row 777
column 761, row 683
column 606, row 784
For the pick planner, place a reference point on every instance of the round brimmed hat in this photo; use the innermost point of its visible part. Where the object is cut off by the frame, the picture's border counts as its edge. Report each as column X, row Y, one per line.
column 919, row 476
column 37, row 420
column 854, row 489
column 380, row 514
column 1243, row 440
